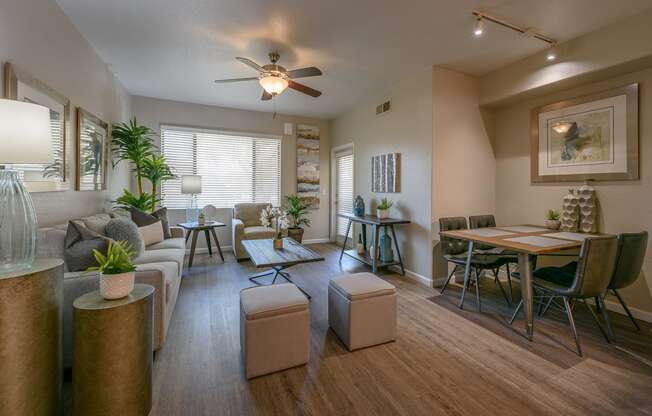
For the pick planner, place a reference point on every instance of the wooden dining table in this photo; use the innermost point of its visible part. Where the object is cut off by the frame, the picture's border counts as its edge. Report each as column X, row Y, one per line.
column 528, row 241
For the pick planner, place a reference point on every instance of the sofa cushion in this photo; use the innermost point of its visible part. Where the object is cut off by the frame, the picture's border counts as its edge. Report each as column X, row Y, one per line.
column 162, row 255
column 361, row 286
column 152, row 234
column 249, row 214
column 258, row 232
column 142, row 219
column 265, row 301
column 178, row 243
column 79, row 245
column 123, row 229
column 169, row 270
column 97, row 223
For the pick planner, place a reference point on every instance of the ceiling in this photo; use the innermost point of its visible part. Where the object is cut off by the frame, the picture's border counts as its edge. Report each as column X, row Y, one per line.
column 174, row 49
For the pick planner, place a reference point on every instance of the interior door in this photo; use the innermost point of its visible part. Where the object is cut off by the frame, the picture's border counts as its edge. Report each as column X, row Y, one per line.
column 343, row 191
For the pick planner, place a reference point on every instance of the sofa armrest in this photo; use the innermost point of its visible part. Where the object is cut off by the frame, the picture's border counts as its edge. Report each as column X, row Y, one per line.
column 236, row 239
column 177, row 232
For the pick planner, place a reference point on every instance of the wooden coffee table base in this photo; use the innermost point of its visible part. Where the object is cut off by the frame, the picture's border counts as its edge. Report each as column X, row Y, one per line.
column 276, row 271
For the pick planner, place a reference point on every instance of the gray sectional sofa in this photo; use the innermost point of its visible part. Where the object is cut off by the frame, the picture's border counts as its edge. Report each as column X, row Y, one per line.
column 160, row 265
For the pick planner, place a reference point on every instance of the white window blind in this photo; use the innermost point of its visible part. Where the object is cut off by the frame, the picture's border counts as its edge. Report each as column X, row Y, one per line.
column 344, row 166
column 233, row 168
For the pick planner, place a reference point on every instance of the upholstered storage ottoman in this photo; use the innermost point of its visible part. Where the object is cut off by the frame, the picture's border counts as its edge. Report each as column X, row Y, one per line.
column 274, row 328
column 362, row 310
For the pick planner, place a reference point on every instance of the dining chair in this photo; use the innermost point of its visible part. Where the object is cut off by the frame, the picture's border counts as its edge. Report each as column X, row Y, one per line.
column 586, row 278
column 486, row 221
column 455, row 251
column 210, row 212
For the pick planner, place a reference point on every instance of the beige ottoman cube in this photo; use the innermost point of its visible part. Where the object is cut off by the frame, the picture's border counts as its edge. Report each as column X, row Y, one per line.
column 362, row 310
column 274, row 328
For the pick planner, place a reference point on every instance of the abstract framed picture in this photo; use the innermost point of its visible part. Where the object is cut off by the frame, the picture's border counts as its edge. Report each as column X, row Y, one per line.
column 20, row 85
column 92, row 152
column 385, row 173
column 308, row 164
column 588, row 138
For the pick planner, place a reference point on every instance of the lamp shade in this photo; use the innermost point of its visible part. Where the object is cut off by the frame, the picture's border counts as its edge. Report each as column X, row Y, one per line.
column 191, row 184
column 25, row 135
column 273, row 84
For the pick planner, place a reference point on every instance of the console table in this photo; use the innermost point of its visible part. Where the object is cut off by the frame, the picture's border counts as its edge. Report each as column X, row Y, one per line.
column 376, row 224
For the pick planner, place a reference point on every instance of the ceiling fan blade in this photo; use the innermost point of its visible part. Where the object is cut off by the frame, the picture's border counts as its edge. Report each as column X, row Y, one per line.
column 303, row 88
column 266, row 96
column 310, row 71
column 251, row 64
column 226, row 81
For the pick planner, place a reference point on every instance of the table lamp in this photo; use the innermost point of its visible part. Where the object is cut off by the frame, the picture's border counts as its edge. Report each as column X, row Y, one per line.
column 25, row 138
column 191, row 184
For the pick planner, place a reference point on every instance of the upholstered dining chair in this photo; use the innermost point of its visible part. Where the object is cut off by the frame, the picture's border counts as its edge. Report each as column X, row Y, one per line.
column 210, row 212
column 455, row 252
column 586, row 278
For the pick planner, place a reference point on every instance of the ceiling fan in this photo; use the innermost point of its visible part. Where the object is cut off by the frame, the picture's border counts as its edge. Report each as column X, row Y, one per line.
column 275, row 79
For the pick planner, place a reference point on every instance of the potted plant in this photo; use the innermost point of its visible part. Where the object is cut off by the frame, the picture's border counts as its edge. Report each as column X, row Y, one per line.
column 274, row 217
column 155, row 169
column 382, row 210
column 116, row 270
column 552, row 219
column 201, row 220
column 296, row 210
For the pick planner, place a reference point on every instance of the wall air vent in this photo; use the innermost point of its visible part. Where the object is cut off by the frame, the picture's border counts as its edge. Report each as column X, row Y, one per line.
column 384, row 107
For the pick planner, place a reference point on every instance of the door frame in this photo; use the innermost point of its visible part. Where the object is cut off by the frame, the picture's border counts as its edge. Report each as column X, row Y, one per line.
column 333, row 207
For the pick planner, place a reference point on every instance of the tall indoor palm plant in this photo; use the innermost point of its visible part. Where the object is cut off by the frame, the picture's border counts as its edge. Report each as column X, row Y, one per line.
column 156, row 170
column 134, row 143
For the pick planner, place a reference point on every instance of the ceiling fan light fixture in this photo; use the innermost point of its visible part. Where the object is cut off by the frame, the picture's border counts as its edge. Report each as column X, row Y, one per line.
column 273, row 84
column 478, row 28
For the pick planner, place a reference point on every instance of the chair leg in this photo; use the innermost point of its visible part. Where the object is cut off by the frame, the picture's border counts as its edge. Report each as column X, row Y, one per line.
column 545, row 310
column 571, row 321
column 595, row 318
column 500, row 286
column 518, row 308
column 477, row 288
column 622, row 302
column 605, row 316
column 509, row 282
column 597, row 304
column 448, row 280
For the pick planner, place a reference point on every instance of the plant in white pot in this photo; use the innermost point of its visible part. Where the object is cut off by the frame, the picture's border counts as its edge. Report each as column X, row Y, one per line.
column 116, row 270
column 552, row 219
column 274, row 218
column 296, row 210
column 382, row 210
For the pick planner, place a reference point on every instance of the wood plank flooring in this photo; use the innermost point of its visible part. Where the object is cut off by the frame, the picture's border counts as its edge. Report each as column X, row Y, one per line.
column 445, row 361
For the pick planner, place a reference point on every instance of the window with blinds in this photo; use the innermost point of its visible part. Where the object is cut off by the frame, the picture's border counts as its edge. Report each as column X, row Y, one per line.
column 344, row 190
column 234, row 168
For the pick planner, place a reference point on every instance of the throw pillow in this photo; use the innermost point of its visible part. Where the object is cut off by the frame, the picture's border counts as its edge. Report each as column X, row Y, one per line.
column 152, row 234
column 79, row 245
column 96, row 224
column 124, row 229
column 142, row 219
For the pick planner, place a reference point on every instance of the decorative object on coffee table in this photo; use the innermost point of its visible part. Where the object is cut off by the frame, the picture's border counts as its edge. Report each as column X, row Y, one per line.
column 191, row 184
column 276, row 218
column 262, row 254
column 588, row 206
column 358, row 206
column 208, row 228
column 30, row 339
column 570, row 212
column 24, row 138
column 382, row 210
column 552, row 219
column 385, row 173
column 296, row 211
column 112, row 364
column 116, row 270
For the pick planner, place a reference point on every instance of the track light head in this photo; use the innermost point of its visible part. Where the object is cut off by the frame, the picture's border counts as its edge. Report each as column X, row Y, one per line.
column 478, row 28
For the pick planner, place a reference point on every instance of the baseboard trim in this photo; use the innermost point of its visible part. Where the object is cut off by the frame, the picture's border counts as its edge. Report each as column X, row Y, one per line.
column 617, row 307
column 423, row 280
column 204, row 250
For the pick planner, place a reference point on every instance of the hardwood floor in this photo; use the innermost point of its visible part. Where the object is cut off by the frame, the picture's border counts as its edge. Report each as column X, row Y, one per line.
column 445, row 361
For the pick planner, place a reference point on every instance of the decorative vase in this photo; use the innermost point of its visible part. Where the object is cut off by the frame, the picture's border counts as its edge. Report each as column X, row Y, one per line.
column 360, row 248
column 17, row 224
column 382, row 213
column 570, row 219
column 385, row 243
column 201, row 221
column 358, row 206
column 296, row 234
column 116, row 286
column 278, row 243
column 552, row 224
column 588, row 207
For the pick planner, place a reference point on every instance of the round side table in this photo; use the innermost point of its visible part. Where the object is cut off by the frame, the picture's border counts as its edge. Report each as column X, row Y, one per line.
column 112, row 354
column 30, row 339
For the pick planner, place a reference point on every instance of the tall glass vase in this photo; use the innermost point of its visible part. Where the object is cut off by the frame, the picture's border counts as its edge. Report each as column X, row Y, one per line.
column 17, row 224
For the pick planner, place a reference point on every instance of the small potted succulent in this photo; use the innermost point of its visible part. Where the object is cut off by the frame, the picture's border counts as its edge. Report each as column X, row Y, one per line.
column 296, row 210
column 276, row 218
column 116, row 270
column 201, row 220
column 382, row 210
column 552, row 219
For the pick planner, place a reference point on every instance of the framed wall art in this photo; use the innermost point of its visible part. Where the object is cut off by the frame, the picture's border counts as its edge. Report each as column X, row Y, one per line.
column 588, row 138
column 92, row 152
column 308, row 164
column 385, row 173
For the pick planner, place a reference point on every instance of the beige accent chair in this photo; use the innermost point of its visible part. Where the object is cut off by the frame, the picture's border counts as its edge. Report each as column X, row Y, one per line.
column 362, row 310
column 247, row 226
column 274, row 328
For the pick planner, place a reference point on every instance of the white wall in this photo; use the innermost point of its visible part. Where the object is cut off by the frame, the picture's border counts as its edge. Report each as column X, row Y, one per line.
column 154, row 112
column 406, row 129
column 36, row 36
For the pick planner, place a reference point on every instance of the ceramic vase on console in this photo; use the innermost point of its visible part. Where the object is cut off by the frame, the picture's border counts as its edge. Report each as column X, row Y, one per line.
column 385, row 243
column 588, row 208
column 570, row 212
column 358, row 206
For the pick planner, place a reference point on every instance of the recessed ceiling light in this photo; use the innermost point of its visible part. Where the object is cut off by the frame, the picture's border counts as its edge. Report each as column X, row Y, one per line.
column 478, row 29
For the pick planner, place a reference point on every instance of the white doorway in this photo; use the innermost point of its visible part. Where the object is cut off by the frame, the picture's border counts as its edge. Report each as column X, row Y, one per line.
column 342, row 161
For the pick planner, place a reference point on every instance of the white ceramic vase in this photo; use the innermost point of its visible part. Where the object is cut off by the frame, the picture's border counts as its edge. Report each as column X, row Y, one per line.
column 382, row 213
column 588, row 206
column 116, row 286
column 570, row 217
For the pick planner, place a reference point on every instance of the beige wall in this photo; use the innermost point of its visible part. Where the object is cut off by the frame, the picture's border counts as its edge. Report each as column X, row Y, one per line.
column 154, row 112
column 625, row 206
column 463, row 161
column 36, row 36
column 406, row 129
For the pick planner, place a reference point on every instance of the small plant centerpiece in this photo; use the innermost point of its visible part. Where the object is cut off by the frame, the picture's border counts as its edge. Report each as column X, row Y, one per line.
column 201, row 220
column 552, row 219
column 116, row 270
column 275, row 218
column 382, row 210
column 296, row 210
